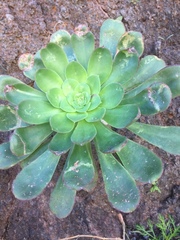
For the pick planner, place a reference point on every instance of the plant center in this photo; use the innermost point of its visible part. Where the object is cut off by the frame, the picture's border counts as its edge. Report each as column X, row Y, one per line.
column 80, row 99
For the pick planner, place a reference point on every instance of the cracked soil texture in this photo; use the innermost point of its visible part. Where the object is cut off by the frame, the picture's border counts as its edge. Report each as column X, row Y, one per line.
column 25, row 26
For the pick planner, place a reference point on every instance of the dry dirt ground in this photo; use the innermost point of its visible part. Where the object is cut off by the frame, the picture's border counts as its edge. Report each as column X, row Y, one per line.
column 25, row 26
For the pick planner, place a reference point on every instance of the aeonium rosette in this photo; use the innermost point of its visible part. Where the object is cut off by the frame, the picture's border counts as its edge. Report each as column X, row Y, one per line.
column 83, row 95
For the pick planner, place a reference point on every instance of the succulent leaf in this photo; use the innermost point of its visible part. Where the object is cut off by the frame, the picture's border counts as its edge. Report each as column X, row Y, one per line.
column 27, row 139
column 95, row 102
column 100, row 59
column 122, row 116
column 124, row 67
column 62, row 199
column 8, row 118
column 61, row 143
column 94, row 83
column 39, row 151
column 107, row 140
column 112, row 89
column 36, row 112
column 32, row 179
column 164, row 137
column 76, row 117
column 156, row 98
column 47, row 79
column 66, row 107
column 90, row 187
column 76, row 71
column 60, row 123
column 54, row 58
column 110, row 33
column 63, row 39
column 6, row 80
column 83, row 47
column 83, row 133
column 79, row 170
column 169, row 75
column 7, row 159
column 69, row 85
column 95, row 115
column 19, row 92
column 142, row 164
column 120, row 187
column 148, row 66
column 132, row 41
column 38, row 64
column 55, row 96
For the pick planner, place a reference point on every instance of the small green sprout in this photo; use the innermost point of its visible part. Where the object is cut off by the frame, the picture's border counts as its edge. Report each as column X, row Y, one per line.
column 80, row 98
column 162, row 230
column 155, row 187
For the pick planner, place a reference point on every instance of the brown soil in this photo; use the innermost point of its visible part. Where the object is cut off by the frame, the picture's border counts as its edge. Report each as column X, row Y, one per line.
column 25, row 26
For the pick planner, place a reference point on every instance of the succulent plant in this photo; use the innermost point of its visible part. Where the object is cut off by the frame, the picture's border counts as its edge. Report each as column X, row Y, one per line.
column 80, row 100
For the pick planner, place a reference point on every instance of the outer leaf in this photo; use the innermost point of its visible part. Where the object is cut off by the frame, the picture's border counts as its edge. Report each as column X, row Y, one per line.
column 111, row 95
column 90, row 187
column 63, row 39
column 7, row 159
column 60, row 123
column 36, row 112
column 60, row 143
column 83, row 47
column 107, row 140
column 100, row 63
column 132, row 40
column 122, row 116
column 148, row 66
column 25, row 140
column 33, row 156
column 4, row 81
column 19, row 92
column 110, row 33
column 55, row 59
column 47, row 79
column 62, row 199
column 76, row 71
column 83, row 133
column 152, row 100
column 166, row 138
column 124, row 67
column 38, row 64
column 140, row 162
column 79, row 170
column 169, row 75
column 8, row 119
column 32, row 180
column 95, row 115
column 119, row 185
